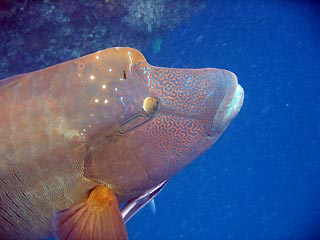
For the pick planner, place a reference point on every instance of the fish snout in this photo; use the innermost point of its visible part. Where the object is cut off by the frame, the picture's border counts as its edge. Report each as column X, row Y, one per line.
column 229, row 107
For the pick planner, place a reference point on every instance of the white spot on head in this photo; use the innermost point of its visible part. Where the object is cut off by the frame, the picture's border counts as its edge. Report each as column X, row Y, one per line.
column 104, row 86
column 81, row 134
column 110, row 69
column 84, row 130
column 116, row 89
column 121, row 79
column 97, row 57
column 106, row 101
column 117, row 48
column 91, row 114
column 96, row 100
column 89, row 125
column 91, row 77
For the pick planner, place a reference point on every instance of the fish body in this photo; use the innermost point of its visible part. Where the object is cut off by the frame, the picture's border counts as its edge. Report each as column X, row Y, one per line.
column 106, row 119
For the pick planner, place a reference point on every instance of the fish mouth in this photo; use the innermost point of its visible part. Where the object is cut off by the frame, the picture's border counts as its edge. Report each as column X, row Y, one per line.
column 235, row 104
column 228, row 109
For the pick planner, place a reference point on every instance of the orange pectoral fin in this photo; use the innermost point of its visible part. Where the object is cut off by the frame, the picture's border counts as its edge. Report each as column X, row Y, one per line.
column 99, row 217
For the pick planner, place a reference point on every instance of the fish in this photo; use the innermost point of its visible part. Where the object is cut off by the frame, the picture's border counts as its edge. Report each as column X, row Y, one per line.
column 86, row 143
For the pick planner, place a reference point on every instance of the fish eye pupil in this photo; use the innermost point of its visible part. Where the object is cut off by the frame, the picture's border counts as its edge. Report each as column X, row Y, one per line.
column 155, row 105
column 150, row 105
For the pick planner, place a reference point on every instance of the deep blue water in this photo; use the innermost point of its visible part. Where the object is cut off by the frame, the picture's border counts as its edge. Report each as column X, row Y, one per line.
column 261, row 180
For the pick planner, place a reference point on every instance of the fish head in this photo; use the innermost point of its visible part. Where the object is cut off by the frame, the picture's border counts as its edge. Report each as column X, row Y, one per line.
column 193, row 108
column 152, row 121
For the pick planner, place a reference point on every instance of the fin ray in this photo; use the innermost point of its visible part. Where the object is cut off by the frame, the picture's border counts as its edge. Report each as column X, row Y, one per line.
column 99, row 217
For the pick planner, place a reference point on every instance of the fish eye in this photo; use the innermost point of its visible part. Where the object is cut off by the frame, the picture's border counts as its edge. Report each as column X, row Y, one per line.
column 150, row 105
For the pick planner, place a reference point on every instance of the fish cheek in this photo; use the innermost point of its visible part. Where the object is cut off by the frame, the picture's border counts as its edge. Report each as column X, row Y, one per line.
column 173, row 142
column 105, row 151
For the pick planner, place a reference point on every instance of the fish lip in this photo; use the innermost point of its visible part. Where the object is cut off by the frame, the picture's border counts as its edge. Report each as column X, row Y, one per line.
column 235, row 104
column 227, row 111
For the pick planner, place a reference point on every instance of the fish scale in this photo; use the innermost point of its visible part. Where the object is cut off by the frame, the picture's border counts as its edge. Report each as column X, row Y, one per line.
column 40, row 182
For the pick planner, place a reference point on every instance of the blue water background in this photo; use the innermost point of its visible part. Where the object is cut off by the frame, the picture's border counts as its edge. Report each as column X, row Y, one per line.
column 261, row 180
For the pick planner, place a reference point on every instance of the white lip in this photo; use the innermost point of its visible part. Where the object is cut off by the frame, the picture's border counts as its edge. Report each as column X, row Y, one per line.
column 228, row 111
column 235, row 105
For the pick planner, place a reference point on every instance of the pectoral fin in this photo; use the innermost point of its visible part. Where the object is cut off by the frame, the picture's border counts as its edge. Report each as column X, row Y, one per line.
column 99, row 217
